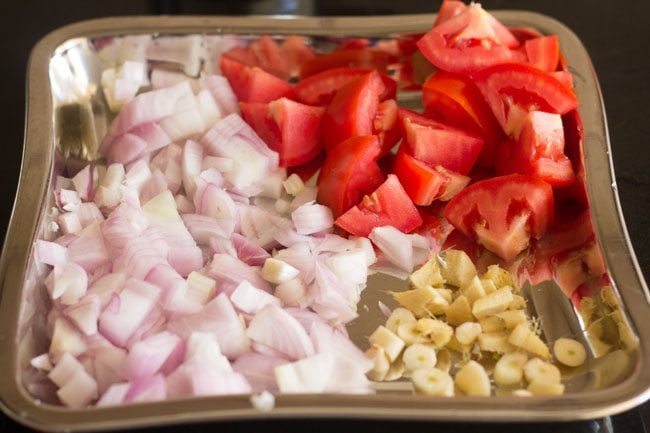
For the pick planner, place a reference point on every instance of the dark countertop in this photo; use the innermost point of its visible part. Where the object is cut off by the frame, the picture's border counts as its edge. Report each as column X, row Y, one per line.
column 614, row 34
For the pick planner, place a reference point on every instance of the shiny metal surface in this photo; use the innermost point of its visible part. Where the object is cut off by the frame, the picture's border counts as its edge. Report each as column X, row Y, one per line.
column 66, row 118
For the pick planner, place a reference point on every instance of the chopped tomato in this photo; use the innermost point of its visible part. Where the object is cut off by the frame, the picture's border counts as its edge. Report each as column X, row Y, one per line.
column 365, row 58
column 282, row 60
column 354, row 111
column 578, row 267
column 469, row 41
column 516, row 87
column 503, row 213
column 290, row 128
column 270, row 56
column 307, row 170
column 353, row 44
column 524, row 33
column 252, row 84
column 350, row 170
column 387, row 205
column 320, row 89
column 564, row 77
column 297, row 53
column 457, row 101
column 435, row 143
column 434, row 226
column 449, row 9
column 538, row 151
column 386, row 125
column 543, row 52
column 424, row 183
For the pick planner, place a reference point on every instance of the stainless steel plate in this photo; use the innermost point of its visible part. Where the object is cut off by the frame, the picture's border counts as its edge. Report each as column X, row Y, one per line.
column 66, row 118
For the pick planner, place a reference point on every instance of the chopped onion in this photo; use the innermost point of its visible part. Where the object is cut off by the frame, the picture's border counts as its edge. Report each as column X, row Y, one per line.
column 250, row 299
column 137, row 300
column 312, row 218
column 404, row 251
column 274, row 327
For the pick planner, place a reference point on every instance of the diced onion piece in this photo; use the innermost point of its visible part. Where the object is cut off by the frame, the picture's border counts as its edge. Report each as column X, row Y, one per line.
column 250, row 299
column 136, row 301
column 200, row 288
column 277, row 329
column 312, row 218
column 278, row 272
column 293, row 185
column 291, row 293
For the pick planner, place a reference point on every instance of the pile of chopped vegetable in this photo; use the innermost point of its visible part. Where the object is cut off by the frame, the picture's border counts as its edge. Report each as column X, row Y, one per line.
column 195, row 257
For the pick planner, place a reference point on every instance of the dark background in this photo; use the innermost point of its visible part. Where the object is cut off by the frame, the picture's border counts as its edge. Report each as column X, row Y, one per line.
column 615, row 34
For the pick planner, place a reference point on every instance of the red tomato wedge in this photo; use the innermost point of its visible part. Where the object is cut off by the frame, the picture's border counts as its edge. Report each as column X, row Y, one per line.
column 503, row 213
column 252, row 84
column 388, row 205
column 297, row 53
column 355, row 110
column 365, row 58
column 449, row 9
column 435, row 143
column 518, row 86
column 469, row 41
column 457, row 101
column 543, row 52
column 307, row 170
column 349, row 172
column 320, row 89
column 290, row 128
column 538, row 151
column 524, row 33
column 424, row 183
column 282, row 60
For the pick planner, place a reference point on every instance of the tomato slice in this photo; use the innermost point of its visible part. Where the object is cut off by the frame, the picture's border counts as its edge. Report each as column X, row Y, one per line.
column 282, row 60
column 290, row 128
column 448, row 9
column 424, row 183
column 350, row 170
column 514, row 84
column 365, row 58
column 353, row 110
column 435, row 143
column 458, row 102
column 307, row 170
column 320, row 89
column 503, row 213
column 524, row 33
column 469, row 41
column 297, row 53
column 252, row 84
column 538, row 151
column 387, row 205
column 543, row 52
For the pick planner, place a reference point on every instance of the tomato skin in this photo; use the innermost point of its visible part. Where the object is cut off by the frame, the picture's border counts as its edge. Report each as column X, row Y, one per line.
column 290, row 128
column 350, row 170
column 538, row 151
column 458, row 102
column 353, row 109
column 469, row 41
column 543, row 52
column 435, row 143
column 524, row 86
column 252, row 84
column 503, row 212
column 387, row 205
column 448, row 9
column 365, row 58
column 297, row 53
column 320, row 89
column 424, row 183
